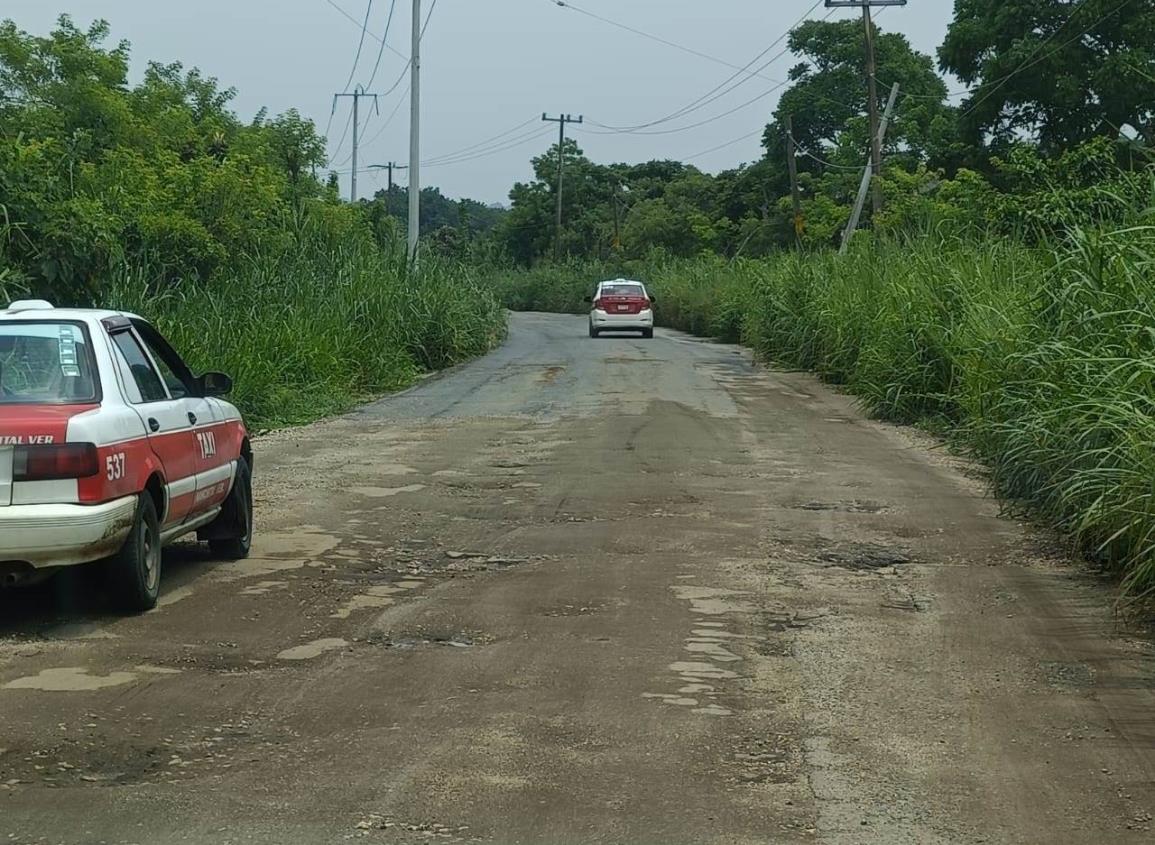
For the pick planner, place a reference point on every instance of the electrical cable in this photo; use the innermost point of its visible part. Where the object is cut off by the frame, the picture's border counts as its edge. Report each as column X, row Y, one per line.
column 360, row 44
column 381, row 49
column 721, row 90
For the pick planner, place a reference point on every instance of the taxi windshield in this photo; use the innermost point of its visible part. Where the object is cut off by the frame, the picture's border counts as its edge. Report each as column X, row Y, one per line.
column 46, row 363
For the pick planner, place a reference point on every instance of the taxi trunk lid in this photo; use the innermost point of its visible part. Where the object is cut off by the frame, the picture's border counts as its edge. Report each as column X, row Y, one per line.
column 624, row 304
column 30, row 425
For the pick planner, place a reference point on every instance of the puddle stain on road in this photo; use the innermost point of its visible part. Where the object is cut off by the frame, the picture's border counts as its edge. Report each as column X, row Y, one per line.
column 78, row 679
column 387, row 492
column 314, row 649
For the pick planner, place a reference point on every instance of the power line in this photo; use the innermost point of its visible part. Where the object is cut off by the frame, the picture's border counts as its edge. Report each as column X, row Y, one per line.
column 371, row 34
column 388, row 120
column 384, row 38
column 717, row 91
column 511, row 144
column 514, row 143
column 360, row 44
column 404, row 71
column 486, row 142
column 657, row 38
column 727, row 144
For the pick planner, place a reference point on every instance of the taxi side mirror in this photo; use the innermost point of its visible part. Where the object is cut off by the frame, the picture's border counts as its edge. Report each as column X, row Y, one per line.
column 215, row 384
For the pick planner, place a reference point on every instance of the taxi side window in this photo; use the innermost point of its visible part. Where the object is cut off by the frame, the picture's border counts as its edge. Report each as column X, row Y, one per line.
column 149, row 387
column 172, row 369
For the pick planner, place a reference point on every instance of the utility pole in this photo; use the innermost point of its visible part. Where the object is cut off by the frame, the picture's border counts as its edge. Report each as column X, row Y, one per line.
column 390, row 167
column 357, row 94
column 792, row 166
column 864, row 186
column 415, row 135
column 561, row 120
column 871, row 83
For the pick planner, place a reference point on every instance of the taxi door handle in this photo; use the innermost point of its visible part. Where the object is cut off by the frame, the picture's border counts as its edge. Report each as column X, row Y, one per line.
column 192, row 418
column 153, row 425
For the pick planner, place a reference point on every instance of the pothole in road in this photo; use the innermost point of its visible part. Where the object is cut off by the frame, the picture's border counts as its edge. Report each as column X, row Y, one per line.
column 853, row 506
column 574, row 609
column 863, row 557
column 425, row 639
column 765, row 761
column 1068, row 676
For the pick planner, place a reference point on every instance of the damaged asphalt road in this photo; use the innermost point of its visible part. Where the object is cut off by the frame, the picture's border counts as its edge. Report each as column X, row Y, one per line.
column 610, row 590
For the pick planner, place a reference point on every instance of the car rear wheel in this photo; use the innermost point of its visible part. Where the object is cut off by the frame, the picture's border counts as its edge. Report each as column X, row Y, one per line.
column 134, row 571
column 235, row 524
column 647, row 333
column 593, row 331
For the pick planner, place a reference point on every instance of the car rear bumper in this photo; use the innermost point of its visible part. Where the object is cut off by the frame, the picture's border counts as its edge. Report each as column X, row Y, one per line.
column 50, row 536
column 625, row 322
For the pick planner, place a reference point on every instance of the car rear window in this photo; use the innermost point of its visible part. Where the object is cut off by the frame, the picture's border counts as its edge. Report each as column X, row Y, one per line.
column 622, row 290
column 47, row 363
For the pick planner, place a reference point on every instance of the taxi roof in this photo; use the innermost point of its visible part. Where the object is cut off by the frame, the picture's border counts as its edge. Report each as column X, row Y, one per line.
column 39, row 309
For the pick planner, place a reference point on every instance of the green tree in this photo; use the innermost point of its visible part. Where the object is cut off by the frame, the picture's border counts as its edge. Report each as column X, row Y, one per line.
column 1058, row 71
column 828, row 98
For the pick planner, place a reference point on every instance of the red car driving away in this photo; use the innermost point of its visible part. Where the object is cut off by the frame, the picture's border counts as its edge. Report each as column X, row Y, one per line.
column 621, row 306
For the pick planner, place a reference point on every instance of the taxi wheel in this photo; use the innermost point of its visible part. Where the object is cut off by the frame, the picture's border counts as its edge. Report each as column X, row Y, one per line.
column 135, row 570
column 236, row 518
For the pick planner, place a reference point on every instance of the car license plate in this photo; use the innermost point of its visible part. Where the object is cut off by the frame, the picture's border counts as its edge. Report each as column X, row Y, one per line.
column 623, row 308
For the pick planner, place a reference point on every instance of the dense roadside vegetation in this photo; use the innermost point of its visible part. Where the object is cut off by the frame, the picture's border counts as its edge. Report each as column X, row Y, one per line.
column 157, row 198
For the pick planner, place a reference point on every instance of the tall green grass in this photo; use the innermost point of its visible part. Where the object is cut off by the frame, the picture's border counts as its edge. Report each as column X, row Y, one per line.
column 312, row 333
column 1039, row 361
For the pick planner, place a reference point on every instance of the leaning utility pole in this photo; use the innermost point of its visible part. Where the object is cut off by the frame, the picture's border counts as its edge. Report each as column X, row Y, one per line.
column 792, row 166
column 357, row 94
column 415, row 134
column 864, row 186
column 561, row 120
column 871, row 83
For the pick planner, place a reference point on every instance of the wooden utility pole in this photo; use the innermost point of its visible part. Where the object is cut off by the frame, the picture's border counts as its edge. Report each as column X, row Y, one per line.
column 871, row 84
column 561, row 120
column 792, row 166
column 390, row 167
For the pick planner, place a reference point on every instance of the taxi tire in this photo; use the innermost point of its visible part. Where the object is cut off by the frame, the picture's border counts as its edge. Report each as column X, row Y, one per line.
column 236, row 517
column 136, row 588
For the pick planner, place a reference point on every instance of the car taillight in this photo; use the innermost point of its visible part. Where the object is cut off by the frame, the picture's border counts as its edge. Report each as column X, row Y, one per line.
column 46, row 463
column 598, row 305
column 645, row 304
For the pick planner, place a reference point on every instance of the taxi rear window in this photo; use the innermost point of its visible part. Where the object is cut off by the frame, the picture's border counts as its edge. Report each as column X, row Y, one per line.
column 46, row 363
column 622, row 290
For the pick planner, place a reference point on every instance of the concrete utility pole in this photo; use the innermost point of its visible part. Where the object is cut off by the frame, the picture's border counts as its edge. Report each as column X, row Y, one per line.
column 561, row 120
column 415, row 134
column 357, row 94
column 856, row 214
column 871, row 83
column 792, row 166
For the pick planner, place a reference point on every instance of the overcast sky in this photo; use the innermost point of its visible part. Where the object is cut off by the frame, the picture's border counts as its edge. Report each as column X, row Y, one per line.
column 489, row 65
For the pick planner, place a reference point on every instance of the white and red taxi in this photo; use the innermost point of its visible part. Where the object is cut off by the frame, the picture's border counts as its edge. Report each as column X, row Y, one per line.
column 110, row 448
column 621, row 306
